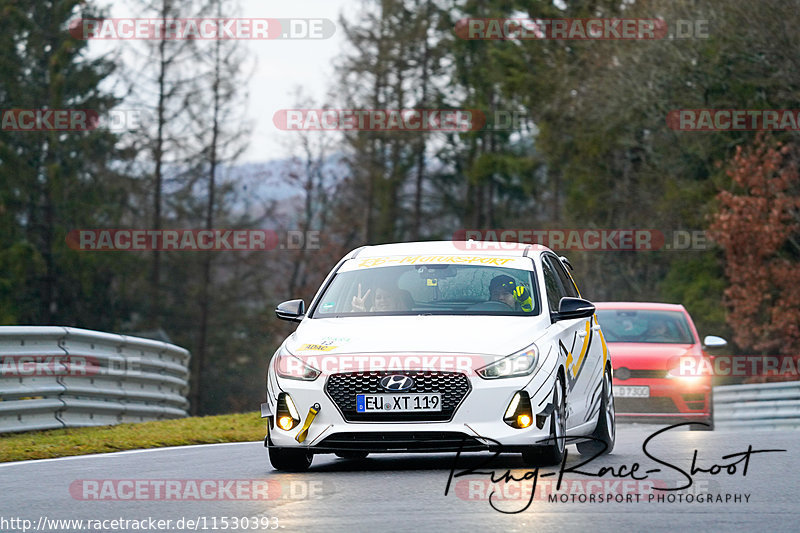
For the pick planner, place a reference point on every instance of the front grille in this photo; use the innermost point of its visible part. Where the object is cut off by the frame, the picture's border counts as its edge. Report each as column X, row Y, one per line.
column 645, row 405
column 342, row 389
column 623, row 374
column 444, row 441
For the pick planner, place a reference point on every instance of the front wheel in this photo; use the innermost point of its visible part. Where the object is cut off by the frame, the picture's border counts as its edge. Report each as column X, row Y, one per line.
column 553, row 452
column 606, row 429
column 289, row 460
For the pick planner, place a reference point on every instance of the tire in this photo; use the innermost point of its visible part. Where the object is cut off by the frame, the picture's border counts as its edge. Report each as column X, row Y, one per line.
column 552, row 453
column 710, row 419
column 352, row 454
column 289, row 460
column 606, row 429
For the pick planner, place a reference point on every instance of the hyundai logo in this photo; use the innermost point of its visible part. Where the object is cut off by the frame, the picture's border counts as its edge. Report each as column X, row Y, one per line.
column 397, row 382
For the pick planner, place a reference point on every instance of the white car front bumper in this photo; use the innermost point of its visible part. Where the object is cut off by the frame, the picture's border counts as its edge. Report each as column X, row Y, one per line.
column 478, row 418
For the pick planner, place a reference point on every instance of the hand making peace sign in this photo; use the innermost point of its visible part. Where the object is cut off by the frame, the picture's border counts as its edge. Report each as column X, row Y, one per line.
column 360, row 302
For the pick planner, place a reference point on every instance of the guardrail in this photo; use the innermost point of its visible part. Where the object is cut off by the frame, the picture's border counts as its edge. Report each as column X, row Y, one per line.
column 762, row 405
column 54, row 377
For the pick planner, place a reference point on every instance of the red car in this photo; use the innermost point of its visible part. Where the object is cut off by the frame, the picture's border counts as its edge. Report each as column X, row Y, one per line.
column 648, row 341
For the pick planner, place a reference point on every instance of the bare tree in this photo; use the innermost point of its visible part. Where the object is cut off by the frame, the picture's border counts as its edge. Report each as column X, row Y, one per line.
column 218, row 120
column 164, row 79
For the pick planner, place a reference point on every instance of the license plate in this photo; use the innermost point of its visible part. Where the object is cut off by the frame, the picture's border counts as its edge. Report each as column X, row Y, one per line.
column 631, row 392
column 398, row 403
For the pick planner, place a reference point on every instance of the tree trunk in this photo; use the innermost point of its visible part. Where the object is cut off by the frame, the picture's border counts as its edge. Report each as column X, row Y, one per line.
column 205, row 293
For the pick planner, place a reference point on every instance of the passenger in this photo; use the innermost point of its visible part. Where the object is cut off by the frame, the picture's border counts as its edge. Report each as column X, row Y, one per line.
column 386, row 299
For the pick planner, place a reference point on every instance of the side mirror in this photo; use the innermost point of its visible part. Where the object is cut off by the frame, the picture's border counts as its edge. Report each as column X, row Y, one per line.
column 569, row 308
column 711, row 341
column 293, row 310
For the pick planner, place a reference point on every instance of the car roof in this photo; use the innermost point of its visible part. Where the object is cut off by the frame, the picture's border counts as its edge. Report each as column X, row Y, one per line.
column 643, row 306
column 492, row 249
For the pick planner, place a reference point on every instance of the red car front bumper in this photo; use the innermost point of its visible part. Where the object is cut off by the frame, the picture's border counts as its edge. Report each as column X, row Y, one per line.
column 677, row 399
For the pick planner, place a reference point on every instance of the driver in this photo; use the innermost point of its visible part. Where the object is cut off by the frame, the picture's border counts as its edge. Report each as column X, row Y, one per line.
column 657, row 331
column 504, row 289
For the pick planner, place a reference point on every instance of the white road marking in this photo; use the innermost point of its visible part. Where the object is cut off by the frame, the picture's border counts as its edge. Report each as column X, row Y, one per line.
column 126, row 452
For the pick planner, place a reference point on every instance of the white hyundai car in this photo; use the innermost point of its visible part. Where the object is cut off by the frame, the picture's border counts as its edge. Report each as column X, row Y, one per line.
column 441, row 346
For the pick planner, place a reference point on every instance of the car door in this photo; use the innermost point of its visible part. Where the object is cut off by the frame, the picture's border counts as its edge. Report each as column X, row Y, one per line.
column 563, row 333
column 580, row 343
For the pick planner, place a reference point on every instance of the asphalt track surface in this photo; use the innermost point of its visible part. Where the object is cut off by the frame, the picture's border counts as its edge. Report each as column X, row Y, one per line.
column 407, row 492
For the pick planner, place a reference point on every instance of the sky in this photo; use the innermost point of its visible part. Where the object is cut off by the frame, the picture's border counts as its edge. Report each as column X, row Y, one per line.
column 281, row 65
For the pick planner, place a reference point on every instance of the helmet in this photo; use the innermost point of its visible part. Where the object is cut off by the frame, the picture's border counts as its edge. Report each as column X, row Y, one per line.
column 503, row 282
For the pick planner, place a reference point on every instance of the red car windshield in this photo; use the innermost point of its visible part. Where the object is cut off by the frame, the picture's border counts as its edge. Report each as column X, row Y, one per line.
column 634, row 325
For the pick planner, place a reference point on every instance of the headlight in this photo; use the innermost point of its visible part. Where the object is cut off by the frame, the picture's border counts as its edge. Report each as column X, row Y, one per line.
column 690, row 370
column 291, row 367
column 519, row 364
column 688, row 380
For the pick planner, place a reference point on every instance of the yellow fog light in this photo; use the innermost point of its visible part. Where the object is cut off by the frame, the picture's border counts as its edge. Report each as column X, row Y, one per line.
column 285, row 423
column 518, row 413
column 286, row 412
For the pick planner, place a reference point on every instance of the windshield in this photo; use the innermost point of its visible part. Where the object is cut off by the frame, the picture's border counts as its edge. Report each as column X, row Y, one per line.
column 632, row 325
column 436, row 289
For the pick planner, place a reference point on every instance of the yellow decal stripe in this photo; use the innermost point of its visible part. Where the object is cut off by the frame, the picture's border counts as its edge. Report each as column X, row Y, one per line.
column 605, row 348
column 603, row 343
column 583, row 350
column 412, row 259
column 573, row 282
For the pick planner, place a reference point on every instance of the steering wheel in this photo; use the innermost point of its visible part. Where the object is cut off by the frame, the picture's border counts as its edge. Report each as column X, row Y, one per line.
column 492, row 305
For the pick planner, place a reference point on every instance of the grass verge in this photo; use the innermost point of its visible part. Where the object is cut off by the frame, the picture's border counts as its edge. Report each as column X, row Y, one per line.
column 242, row 427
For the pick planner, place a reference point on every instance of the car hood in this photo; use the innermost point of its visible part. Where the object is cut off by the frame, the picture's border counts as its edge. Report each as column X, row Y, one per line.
column 648, row 355
column 491, row 335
